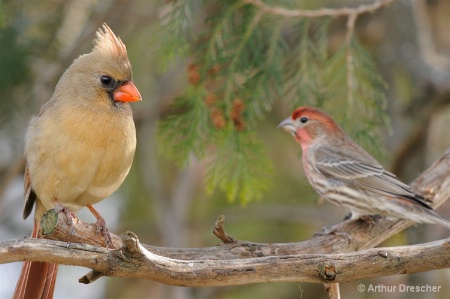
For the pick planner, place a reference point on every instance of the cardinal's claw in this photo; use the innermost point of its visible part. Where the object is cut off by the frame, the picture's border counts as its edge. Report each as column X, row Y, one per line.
column 70, row 216
column 104, row 231
column 101, row 226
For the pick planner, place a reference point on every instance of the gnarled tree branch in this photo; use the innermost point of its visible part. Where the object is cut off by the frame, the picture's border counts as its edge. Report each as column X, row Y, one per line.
column 135, row 261
column 244, row 262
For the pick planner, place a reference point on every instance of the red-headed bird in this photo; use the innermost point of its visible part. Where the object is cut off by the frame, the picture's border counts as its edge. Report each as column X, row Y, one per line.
column 80, row 147
column 346, row 175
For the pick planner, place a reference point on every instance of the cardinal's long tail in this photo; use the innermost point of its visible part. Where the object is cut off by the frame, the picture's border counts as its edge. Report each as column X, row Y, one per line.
column 37, row 279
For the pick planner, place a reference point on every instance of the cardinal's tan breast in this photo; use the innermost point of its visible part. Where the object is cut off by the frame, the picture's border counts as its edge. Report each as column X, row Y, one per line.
column 80, row 161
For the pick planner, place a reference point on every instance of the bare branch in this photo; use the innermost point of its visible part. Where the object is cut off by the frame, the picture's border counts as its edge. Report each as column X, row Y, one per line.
column 134, row 261
column 336, row 12
column 243, row 262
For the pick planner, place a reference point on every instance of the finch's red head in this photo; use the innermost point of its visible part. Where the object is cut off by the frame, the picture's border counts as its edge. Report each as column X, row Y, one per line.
column 308, row 124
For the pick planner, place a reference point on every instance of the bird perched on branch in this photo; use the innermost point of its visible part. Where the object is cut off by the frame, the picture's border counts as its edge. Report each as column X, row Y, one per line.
column 346, row 175
column 80, row 147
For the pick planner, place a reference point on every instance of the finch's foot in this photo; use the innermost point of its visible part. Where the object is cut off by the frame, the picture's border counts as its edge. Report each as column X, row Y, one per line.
column 101, row 227
column 369, row 219
column 347, row 217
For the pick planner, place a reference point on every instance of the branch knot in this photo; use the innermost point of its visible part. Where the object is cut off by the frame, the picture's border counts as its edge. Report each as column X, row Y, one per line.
column 328, row 272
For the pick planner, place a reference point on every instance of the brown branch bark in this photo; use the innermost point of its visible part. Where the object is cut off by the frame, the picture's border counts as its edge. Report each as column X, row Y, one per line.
column 244, row 262
column 135, row 261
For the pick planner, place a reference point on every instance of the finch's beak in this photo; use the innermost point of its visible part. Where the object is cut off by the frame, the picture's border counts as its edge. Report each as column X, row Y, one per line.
column 127, row 93
column 288, row 125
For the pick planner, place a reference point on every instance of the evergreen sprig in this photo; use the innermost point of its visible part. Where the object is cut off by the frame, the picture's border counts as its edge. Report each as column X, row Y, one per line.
column 239, row 167
column 241, row 60
column 356, row 94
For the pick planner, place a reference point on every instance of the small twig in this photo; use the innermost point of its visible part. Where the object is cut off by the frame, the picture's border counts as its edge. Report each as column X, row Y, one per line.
column 350, row 68
column 350, row 27
column 345, row 11
column 91, row 277
column 332, row 290
column 219, row 231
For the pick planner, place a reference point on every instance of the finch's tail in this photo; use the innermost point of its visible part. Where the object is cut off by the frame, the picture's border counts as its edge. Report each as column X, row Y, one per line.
column 37, row 279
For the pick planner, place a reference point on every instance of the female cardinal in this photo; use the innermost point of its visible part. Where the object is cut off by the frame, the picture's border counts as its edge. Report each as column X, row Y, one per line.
column 80, row 147
column 348, row 176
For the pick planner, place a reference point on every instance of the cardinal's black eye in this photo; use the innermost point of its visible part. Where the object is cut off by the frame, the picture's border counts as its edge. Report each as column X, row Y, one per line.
column 106, row 80
column 304, row 119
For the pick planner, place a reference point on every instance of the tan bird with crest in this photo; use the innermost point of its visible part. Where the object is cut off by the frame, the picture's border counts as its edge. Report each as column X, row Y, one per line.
column 80, row 147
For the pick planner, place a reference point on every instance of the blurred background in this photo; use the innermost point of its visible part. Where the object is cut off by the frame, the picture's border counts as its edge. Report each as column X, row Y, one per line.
column 166, row 204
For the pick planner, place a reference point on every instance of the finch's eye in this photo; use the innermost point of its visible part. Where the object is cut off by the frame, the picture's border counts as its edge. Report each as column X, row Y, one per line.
column 304, row 119
column 106, row 80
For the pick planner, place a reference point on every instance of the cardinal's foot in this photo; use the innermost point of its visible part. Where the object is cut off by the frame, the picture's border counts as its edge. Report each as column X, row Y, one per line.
column 101, row 226
column 103, row 230
column 71, row 217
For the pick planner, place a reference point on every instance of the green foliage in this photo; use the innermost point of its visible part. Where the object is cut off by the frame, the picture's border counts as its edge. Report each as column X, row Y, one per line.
column 305, row 77
column 241, row 61
column 188, row 129
column 173, row 36
column 237, row 167
column 13, row 58
column 356, row 94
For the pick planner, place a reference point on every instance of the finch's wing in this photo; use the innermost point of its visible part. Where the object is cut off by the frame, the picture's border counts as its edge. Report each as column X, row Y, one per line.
column 363, row 172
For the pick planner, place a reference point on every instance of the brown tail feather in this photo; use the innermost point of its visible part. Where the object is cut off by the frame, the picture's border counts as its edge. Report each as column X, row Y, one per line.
column 37, row 279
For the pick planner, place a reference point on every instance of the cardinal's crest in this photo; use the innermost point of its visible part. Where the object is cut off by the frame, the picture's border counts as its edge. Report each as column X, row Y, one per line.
column 108, row 42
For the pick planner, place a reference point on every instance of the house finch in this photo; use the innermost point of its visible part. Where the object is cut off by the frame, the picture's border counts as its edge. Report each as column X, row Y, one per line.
column 80, row 147
column 346, row 175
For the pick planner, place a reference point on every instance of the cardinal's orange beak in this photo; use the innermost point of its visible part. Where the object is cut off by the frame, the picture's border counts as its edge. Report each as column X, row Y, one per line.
column 127, row 93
